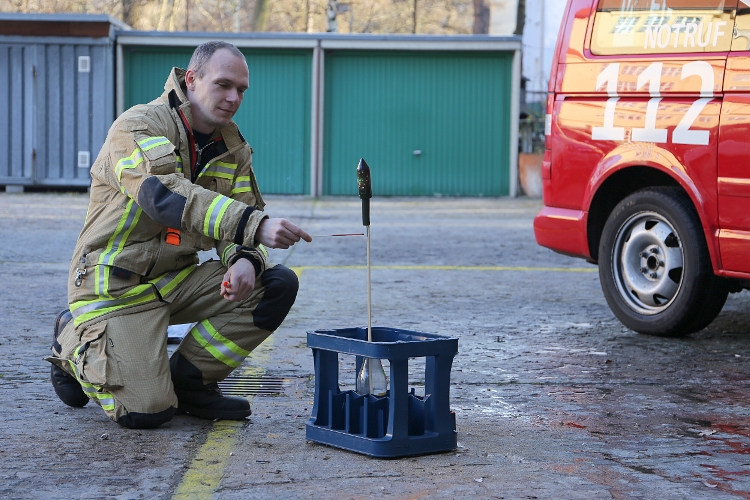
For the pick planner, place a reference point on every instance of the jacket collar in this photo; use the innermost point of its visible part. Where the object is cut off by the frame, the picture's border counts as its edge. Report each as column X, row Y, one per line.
column 176, row 83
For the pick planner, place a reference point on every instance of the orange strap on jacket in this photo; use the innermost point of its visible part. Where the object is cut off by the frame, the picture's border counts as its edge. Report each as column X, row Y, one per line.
column 173, row 237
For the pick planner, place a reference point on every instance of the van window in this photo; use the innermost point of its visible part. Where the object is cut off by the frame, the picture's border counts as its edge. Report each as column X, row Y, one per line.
column 741, row 35
column 662, row 26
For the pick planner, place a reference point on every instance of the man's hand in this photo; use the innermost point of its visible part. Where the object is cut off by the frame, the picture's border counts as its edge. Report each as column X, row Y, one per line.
column 239, row 281
column 280, row 233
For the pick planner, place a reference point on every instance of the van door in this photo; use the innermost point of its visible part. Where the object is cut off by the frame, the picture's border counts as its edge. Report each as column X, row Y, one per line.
column 733, row 184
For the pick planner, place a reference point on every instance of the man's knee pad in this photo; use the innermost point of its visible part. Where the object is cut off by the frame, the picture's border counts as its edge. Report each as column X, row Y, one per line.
column 135, row 420
column 280, row 290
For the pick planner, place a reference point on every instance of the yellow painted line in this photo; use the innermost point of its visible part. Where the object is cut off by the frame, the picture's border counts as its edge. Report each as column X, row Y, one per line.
column 207, row 468
column 300, row 269
column 204, row 475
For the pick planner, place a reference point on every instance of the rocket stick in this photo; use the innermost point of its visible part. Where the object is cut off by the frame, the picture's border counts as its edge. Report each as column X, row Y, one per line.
column 365, row 193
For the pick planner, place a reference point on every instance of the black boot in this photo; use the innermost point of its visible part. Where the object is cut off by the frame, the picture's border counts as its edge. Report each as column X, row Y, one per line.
column 203, row 400
column 66, row 387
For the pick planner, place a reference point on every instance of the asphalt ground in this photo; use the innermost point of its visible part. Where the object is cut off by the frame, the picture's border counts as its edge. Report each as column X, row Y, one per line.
column 553, row 397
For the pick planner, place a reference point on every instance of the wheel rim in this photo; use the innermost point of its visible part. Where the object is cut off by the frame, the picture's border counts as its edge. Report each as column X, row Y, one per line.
column 648, row 263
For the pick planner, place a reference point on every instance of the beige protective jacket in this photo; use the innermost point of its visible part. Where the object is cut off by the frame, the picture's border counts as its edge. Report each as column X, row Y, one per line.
column 155, row 201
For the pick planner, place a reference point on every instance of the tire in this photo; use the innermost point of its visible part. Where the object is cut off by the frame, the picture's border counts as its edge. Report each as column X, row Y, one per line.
column 654, row 265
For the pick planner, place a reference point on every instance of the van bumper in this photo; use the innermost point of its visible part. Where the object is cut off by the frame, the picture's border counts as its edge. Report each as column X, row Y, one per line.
column 563, row 230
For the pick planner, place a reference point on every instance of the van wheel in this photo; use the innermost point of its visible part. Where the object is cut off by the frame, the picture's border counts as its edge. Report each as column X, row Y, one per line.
column 654, row 265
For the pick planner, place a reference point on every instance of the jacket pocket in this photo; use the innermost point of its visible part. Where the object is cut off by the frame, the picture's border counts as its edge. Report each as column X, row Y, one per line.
column 94, row 360
column 159, row 154
column 216, row 184
column 223, row 186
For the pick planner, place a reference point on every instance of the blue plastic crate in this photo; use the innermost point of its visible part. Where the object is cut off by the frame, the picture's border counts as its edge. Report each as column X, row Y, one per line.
column 398, row 424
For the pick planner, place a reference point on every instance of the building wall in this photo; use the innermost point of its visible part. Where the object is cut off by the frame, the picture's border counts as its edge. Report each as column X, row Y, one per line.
column 543, row 19
column 503, row 16
column 541, row 26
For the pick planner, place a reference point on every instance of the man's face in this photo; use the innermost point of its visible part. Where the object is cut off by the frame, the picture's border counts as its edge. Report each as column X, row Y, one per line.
column 217, row 96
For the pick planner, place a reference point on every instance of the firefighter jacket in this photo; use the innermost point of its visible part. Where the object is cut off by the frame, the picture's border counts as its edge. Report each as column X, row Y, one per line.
column 156, row 199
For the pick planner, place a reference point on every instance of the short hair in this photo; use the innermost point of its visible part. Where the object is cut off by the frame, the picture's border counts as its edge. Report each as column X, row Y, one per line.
column 204, row 52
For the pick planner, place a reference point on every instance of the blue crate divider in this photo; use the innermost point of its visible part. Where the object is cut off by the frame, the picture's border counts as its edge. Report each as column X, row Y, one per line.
column 398, row 424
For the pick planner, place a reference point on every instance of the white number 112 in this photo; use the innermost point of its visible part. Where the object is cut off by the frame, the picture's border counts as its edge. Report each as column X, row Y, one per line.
column 651, row 76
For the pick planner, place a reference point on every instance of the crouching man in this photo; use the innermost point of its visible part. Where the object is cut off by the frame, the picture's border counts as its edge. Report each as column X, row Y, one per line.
column 173, row 177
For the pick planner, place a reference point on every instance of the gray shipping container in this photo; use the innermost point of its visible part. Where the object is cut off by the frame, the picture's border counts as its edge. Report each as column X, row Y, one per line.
column 56, row 96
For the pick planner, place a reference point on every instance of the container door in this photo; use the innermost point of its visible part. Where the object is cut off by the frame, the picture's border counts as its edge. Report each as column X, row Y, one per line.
column 55, row 111
column 17, row 96
column 734, row 157
column 427, row 123
column 74, row 109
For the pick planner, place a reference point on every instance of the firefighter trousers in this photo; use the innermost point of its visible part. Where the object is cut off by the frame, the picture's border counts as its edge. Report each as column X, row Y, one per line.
column 122, row 361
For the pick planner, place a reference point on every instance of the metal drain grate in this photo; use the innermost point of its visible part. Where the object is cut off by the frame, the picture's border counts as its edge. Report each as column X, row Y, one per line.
column 253, row 386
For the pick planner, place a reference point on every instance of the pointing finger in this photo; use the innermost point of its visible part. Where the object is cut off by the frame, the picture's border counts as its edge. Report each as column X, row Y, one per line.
column 303, row 234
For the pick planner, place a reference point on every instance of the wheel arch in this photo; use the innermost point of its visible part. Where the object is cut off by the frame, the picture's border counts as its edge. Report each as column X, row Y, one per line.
column 613, row 184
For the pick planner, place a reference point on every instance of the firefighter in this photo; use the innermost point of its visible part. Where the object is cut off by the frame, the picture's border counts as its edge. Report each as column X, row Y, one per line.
column 174, row 177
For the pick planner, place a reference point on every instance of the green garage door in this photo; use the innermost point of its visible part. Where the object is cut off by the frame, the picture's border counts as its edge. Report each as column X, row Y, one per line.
column 434, row 123
column 274, row 116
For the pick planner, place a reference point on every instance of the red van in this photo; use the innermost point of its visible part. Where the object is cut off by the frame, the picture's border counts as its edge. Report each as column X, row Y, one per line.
column 647, row 164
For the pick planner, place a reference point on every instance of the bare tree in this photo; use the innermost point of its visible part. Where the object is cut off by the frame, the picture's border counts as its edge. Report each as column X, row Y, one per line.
column 520, row 17
column 481, row 18
column 260, row 15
